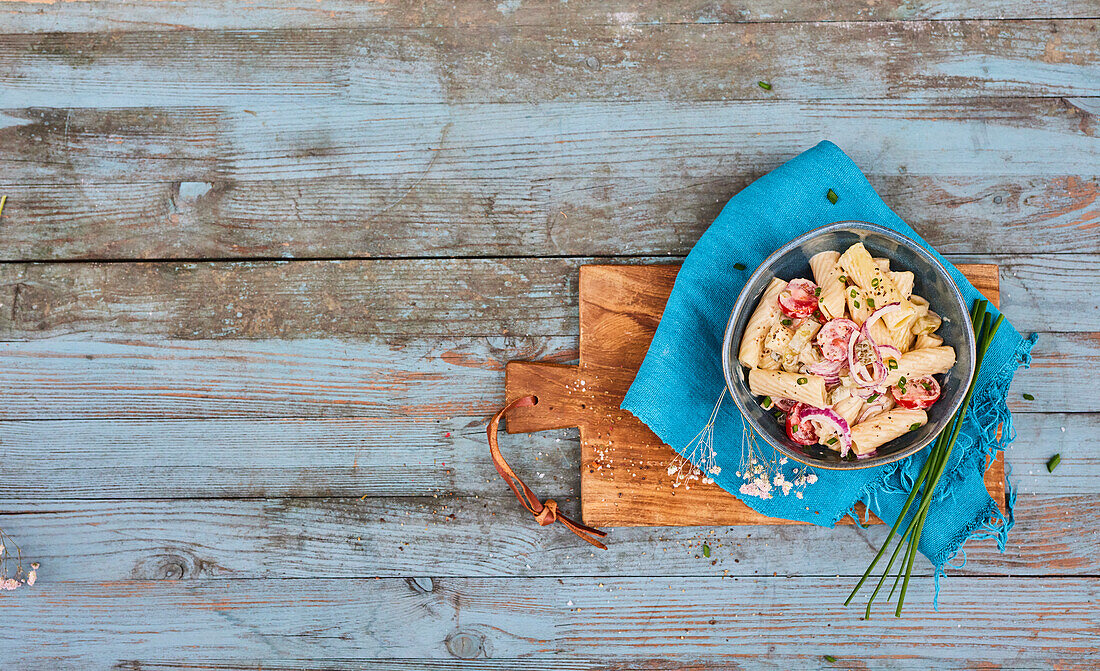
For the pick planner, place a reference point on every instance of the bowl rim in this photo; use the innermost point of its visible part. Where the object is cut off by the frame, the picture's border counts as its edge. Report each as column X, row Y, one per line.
column 742, row 299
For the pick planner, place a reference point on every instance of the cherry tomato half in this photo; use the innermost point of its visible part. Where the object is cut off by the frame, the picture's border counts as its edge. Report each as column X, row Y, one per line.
column 833, row 338
column 916, row 394
column 798, row 299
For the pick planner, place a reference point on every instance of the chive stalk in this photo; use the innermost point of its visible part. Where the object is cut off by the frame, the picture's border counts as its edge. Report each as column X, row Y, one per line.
column 985, row 328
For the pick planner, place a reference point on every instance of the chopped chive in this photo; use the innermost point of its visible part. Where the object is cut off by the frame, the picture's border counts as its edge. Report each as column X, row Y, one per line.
column 832, row 441
column 927, row 385
column 893, row 364
column 843, row 279
column 853, row 293
column 855, row 303
column 706, row 550
column 872, row 397
column 739, row 266
column 829, row 658
column 875, row 282
column 870, row 302
column 767, row 402
column 832, row 196
column 801, row 380
column 785, row 322
column 764, row 85
column 1053, row 463
column 1029, row 397
column 901, row 381
column 817, row 291
column 914, row 426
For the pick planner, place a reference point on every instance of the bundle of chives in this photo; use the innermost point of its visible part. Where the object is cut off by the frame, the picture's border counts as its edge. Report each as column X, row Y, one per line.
column 984, row 330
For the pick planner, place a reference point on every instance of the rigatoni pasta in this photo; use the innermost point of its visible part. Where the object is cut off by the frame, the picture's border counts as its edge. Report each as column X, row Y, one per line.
column 799, row 387
column 879, row 287
column 827, row 274
column 847, row 361
column 869, row 435
column 760, row 323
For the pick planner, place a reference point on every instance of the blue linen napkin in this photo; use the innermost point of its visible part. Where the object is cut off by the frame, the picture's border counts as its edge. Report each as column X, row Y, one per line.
column 681, row 378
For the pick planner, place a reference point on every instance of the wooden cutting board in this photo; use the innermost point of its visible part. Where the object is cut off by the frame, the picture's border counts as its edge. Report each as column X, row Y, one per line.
column 624, row 476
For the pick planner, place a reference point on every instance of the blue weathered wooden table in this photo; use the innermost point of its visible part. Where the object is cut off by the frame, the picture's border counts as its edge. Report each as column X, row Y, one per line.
column 262, row 265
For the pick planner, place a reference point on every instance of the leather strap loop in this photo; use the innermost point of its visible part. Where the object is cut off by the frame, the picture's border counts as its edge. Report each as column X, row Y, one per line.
column 545, row 512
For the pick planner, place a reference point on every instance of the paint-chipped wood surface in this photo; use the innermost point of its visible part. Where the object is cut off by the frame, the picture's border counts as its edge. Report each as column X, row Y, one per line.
column 624, row 467
column 262, row 266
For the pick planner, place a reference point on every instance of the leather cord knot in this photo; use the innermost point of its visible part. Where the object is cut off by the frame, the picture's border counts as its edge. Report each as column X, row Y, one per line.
column 549, row 513
column 545, row 512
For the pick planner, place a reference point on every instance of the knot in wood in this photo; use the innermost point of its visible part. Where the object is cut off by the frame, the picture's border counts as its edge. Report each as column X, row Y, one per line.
column 421, row 584
column 465, row 645
column 173, row 567
column 592, row 62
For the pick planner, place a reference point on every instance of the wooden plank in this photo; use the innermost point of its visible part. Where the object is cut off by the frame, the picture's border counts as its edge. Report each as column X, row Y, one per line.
column 100, row 377
column 828, row 60
column 553, row 215
column 399, row 298
column 396, row 537
column 1046, row 621
column 101, row 459
column 104, row 15
column 496, row 664
column 1013, row 137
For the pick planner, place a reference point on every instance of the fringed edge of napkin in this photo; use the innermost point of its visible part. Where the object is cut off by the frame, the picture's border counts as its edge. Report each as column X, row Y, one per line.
column 990, row 415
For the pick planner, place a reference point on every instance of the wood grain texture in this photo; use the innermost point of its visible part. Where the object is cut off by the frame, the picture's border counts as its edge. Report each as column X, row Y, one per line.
column 624, row 466
column 185, row 445
column 233, row 539
column 407, row 143
column 1041, row 620
column 317, row 457
column 827, row 60
column 400, row 298
column 528, row 664
column 103, row 15
column 549, row 215
column 97, row 376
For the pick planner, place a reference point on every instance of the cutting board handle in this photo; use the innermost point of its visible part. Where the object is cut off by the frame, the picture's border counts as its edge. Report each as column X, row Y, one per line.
column 545, row 512
column 560, row 392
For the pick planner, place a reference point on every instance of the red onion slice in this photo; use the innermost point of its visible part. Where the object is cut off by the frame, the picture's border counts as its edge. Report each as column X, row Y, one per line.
column 872, row 409
column 829, row 419
column 878, row 314
column 826, row 368
column 859, row 370
column 867, row 392
column 878, row 369
column 890, row 350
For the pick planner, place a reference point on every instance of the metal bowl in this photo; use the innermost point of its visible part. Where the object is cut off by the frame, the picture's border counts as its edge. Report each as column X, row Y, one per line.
column 932, row 282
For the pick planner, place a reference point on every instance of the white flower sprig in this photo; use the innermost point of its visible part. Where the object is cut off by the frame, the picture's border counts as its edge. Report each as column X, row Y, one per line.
column 762, row 478
column 20, row 577
column 765, row 479
column 701, row 460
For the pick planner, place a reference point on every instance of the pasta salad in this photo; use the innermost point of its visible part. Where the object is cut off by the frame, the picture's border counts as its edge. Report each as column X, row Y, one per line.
column 846, row 361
